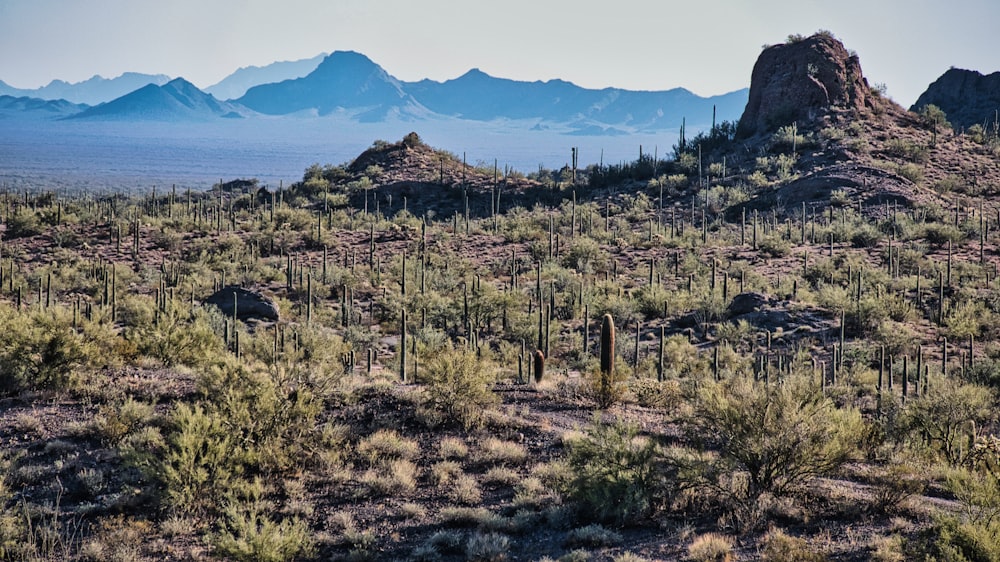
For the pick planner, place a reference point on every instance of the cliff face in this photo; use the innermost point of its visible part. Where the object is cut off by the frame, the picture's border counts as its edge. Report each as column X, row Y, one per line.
column 800, row 81
column 967, row 97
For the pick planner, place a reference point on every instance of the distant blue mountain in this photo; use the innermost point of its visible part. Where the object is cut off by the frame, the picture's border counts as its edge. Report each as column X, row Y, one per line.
column 237, row 83
column 92, row 91
column 345, row 80
column 351, row 81
column 177, row 100
column 479, row 96
column 352, row 85
column 26, row 108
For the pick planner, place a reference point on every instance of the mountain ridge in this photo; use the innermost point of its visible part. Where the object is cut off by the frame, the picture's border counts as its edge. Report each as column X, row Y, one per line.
column 351, row 84
column 92, row 91
column 237, row 83
column 177, row 100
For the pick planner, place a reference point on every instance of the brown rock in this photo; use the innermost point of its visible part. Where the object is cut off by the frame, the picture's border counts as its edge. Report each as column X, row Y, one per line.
column 800, row 81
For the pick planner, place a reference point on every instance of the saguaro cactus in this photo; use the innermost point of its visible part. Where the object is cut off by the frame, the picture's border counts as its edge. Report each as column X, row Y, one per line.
column 402, row 345
column 539, row 367
column 607, row 346
column 606, row 394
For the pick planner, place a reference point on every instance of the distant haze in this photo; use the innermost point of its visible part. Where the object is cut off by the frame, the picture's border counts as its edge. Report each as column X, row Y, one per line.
column 707, row 47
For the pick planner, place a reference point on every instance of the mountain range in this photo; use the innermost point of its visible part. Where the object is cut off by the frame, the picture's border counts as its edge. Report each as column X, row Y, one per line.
column 237, row 83
column 350, row 84
column 92, row 91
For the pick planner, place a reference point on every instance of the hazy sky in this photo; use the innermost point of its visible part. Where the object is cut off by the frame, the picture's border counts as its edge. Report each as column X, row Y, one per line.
column 707, row 46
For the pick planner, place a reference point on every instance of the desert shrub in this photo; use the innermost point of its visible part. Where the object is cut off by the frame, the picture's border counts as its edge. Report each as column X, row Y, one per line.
column 942, row 413
column 613, row 472
column 775, row 245
column 710, row 547
column 392, row 478
column 953, row 540
column 780, row 547
column 39, row 349
column 22, row 224
column 967, row 319
column 274, row 421
column 386, row 445
column 592, row 536
column 757, row 179
column 174, row 336
column 898, row 483
column 865, row 236
column 756, row 440
column 498, row 451
column 651, row 299
column 487, row 547
column 585, row 255
column 789, row 138
column 117, row 420
column 907, row 150
column 465, row 490
column 912, row 172
column 452, row 448
column 940, row 234
column 248, row 532
column 200, row 462
column 458, row 384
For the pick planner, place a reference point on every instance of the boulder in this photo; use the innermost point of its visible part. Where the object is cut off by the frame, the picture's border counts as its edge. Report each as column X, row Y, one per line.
column 745, row 303
column 250, row 305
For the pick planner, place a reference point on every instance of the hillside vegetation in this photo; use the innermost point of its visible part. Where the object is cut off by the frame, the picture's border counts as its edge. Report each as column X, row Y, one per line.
column 777, row 343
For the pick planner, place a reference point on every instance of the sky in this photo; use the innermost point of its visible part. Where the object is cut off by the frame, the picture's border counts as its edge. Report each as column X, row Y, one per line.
column 706, row 46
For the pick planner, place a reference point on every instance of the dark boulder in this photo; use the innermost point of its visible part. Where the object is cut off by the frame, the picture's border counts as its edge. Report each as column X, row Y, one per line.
column 250, row 305
column 745, row 303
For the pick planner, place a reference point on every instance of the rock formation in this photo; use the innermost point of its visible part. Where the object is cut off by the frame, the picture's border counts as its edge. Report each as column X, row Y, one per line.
column 250, row 305
column 967, row 97
column 801, row 80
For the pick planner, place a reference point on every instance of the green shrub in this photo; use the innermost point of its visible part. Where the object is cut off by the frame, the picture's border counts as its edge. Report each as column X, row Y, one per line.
column 176, row 336
column 22, row 224
column 458, row 384
column 39, row 349
column 945, row 410
column 200, row 463
column 248, row 532
column 273, row 420
column 758, row 439
column 865, row 236
column 614, row 477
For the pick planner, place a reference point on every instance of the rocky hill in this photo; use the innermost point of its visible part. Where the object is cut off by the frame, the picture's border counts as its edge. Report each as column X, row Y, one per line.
column 967, row 97
column 811, row 107
column 800, row 81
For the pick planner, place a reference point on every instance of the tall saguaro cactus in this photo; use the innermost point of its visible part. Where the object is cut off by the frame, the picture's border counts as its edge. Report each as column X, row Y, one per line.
column 606, row 394
column 607, row 345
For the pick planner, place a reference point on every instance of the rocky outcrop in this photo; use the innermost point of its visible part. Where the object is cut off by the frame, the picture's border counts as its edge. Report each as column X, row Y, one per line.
column 800, row 81
column 250, row 305
column 967, row 97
